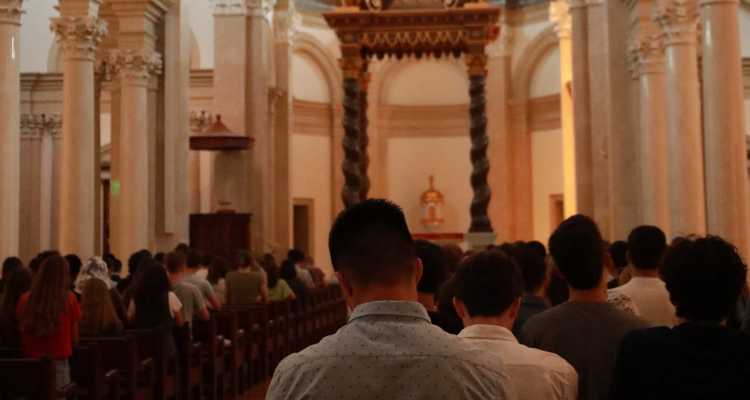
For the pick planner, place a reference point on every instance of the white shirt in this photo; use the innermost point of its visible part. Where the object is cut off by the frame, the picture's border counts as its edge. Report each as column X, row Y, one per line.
column 390, row 350
column 305, row 276
column 536, row 374
column 652, row 299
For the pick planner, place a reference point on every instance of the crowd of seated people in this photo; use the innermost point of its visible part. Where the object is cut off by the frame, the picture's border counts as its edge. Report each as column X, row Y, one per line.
column 578, row 319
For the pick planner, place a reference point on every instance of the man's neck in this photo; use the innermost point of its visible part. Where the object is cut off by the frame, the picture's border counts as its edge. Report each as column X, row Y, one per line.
column 501, row 320
column 645, row 273
column 538, row 293
column 596, row 295
column 175, row 277
column 381, row 293
column 190, row 271
column 427, row 300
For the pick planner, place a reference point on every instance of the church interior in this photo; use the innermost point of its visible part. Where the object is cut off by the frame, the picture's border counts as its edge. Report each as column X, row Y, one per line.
column 251, row 124
column 639, row 149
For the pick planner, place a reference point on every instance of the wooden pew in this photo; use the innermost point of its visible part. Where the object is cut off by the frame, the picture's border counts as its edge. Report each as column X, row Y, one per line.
column 300, row 326
column 152, row 344
column 248, row 323
column 190, row 362
column 260, row 328
column 32, row 379
column 94, row 383
column 137, row 377
column 227, row 326
column 205, row 332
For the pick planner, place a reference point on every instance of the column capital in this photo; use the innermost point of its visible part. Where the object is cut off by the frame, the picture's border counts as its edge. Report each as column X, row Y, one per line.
column 351, row 67
column 79, row 36
column 678, row 20
column 35, row 126
column 229, row 7
column 477, row 64
column 559, row 14
column 10, row 12
column 259, row 8
column 503, row 46
column 577, row 4
column 647, row 55
column 135, row 67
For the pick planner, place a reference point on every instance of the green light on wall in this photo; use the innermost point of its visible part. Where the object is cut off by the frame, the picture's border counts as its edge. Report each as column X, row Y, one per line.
column 116, row 188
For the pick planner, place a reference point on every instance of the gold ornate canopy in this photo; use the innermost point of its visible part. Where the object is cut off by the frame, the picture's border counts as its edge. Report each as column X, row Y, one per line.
column 413, row 28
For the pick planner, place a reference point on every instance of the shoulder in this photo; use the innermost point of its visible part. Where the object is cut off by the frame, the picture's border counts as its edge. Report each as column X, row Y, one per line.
column 628, row 320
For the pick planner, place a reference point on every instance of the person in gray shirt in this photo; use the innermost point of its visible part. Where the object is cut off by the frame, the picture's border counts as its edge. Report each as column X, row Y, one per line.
column 190, row 296
column 193, row 262
column 586, row 331
column 389, row 349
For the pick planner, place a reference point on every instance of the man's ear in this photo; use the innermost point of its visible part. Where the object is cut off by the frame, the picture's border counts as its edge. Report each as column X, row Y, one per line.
column 630, row 260
column 460, row 308
column 418, row 269
column 514, row 307
column 608, row 263
column 346, row 286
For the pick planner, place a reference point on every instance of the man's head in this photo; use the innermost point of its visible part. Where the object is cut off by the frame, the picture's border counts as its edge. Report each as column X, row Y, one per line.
column 619, row 253
column 537, row 247
column 434, row 266
column 488, row 285
column 136, row 259
column 646, row 247
column 577, row 248
column 175, row 262
column 453, row 255
column 182, row 248
column 704, row 278
column 371, row 246
column 296, row 256
column 194, row 259
column 533, row 268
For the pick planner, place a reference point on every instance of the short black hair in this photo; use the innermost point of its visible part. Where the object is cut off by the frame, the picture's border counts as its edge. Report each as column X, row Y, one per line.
column 647, row 245
column 74, row 264
column 287, row 270
column 435, row 266
column 173, row 261
column 136, row 259
column 578, row 250
column 444, row 300
column 619, row 253
column 533, row 268
column 488, row 283
column 704, row 278
column 371, row 243
column 194, row 258
column 295, row 255
column 453, row 255
column 538, row 247
column 509, row 249
column 182, row 248
column 159, row 256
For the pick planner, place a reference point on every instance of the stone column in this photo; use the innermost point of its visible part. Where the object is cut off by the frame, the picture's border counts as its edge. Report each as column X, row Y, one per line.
column 134, row 69
column 687, row 200
column 230, row 75
column 79, row 37
column 647, row 58
column 283, row 18
column 10, row 125
column 502, row 209
column 559, row 14
column 584, row 180
column 724, row 118
column 477, row 64
column 364, row 139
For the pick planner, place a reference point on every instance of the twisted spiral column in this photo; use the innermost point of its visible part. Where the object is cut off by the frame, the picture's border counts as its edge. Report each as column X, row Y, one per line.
column 364, row 140
column 352, row 176
column 480, row 222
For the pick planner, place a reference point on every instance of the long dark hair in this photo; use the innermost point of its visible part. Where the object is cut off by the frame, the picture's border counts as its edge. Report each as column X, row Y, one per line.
column 287, row 270
column 48, row 298
column 17, row 283
column 217, row 270
column 152, row 286
column 269, row 265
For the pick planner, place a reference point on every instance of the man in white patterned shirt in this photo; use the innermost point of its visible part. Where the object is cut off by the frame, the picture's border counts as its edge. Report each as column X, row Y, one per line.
column 389, row 349
column 488, row 289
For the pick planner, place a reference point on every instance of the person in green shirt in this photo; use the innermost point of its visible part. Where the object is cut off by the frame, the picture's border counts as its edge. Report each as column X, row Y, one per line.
column 244, row 286
column 278, row 289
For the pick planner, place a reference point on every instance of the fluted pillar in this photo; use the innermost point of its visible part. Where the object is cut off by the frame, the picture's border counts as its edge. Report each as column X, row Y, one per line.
column 724, row 118
column 79, row 37
column 10, row 114
column 559, row 14
column 687, row 201
column 134, row 69
column 647, row 57
column 581, row 108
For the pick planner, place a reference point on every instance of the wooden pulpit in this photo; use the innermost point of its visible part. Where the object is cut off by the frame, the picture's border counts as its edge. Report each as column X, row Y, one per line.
column 221, row 234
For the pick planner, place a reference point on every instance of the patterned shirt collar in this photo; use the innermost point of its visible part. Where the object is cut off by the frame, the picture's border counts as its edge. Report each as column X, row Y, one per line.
column 487, row 332
column 392, row 308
